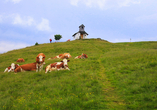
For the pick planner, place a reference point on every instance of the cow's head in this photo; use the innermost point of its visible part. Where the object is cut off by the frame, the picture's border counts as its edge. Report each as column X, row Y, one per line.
column 12, row 67
column 16, row 65
column 40, row 58
column 85, row 56
column 65, row 62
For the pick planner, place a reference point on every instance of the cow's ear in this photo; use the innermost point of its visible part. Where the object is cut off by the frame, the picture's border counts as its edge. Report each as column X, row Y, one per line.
column 68, row 60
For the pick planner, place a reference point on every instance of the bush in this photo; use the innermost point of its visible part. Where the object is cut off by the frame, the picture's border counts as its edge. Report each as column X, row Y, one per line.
column 36, row 43
column 57, row 37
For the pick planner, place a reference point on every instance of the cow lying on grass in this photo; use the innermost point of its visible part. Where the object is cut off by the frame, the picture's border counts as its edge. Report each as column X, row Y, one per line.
column 62, row 65
column 11, row 68
column 83, row 56
column 65, row 55
column 37, row 66
column 20, row 60
column 58, row 56
column 61, row 56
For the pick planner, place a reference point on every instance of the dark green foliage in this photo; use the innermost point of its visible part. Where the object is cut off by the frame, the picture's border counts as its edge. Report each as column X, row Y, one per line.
column 57, row 37
column 36, row 43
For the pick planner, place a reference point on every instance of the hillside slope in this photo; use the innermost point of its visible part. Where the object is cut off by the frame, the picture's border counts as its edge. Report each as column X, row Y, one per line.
column 115, row 76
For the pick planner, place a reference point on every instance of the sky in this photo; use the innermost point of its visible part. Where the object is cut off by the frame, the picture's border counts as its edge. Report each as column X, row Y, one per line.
column 25, row 22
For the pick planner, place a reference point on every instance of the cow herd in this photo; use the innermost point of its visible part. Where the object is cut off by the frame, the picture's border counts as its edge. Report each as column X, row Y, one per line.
column 40, row 61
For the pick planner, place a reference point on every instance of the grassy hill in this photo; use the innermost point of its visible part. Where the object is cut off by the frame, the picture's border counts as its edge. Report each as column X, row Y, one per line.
column 116, row 76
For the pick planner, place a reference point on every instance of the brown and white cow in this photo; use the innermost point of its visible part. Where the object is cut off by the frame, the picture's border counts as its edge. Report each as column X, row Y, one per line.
column 20, row 60
column 40, row 60
column 62, row 56
column 62, row 65
column 26, row 67
column 11, row 68
column 65, row 55
column 36, row 66
column 58, row 56
column 83, row 56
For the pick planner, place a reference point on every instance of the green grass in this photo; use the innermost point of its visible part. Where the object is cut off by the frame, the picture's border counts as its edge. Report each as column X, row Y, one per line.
column 116, row 76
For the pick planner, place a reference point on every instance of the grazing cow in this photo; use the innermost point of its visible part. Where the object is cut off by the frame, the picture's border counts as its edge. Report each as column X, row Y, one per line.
column 20, row 60
column 37, row 66
column 83, row 56
column 62, row 56
column 63, row 65
column 11, row 68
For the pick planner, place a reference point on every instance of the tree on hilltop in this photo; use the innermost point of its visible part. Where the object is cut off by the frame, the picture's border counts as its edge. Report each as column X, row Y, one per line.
column 57, row 37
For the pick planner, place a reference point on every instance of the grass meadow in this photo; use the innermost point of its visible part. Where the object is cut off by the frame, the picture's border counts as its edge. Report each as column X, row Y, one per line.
column 116, row 76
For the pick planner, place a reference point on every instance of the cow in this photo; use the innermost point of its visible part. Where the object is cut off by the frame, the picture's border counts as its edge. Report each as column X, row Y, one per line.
column 65, row 55
column 58, row 56
column 62, row 65
column 36, row 66
column 40, row 58
column 62, row 56
column 83, row 56
column 11, row 68
column 20, row 60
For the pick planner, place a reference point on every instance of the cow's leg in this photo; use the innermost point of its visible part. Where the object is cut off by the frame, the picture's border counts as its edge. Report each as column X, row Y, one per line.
column 67, row 69
column 41, row 67
column 37, row 67
column 52, row 69
column 58, row 69
column 76, row 57
column 10, row 70
column 18, row 69
column 6, row 70
column 47, row 68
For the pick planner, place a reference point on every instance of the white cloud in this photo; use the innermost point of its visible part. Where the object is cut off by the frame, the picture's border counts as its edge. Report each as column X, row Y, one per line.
column 89, row 3
column 100, row 3
column 29, row 21
column 105, row 4
column 25, row 21
column 44, row 25
column 74, row 2
column 8, row 46
column 124, row 3
column 14, row 1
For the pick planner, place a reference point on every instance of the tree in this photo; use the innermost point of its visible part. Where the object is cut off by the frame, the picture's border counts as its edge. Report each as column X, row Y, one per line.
column 57, row 37
column 36, row 43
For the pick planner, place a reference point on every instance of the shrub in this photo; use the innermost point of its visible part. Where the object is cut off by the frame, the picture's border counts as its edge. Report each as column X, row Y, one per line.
column 36, row 43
